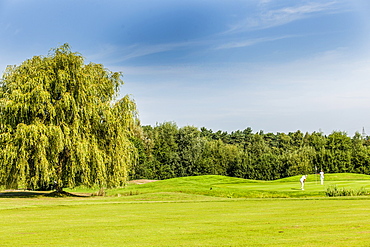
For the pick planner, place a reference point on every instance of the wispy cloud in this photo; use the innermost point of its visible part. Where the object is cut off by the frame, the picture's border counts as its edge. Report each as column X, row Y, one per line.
column 268, row 18
column 250, row 42
column 308, row 93
column 144, row 50
column 123, row 53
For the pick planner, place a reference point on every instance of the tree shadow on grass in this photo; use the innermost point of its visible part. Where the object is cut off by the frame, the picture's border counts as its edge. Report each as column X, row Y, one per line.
column 65, row 194
column 22, row 194
column 295, row 189
column 33, row 194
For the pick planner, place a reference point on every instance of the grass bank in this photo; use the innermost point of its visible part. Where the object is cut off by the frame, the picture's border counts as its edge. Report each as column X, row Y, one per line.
column 228, row 187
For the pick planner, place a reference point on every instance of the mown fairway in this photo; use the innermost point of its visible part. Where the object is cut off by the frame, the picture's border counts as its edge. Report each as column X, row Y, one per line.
column 170, row 218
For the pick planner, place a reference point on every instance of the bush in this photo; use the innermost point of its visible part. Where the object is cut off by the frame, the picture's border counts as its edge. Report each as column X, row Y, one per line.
column 333, row 191
column 101, row 192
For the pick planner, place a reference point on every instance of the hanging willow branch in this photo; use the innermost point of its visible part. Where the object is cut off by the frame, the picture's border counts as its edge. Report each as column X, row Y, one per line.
column 58, row 123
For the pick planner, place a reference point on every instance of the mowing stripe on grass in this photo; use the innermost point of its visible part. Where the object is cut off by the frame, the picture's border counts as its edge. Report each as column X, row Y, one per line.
column 264, row 222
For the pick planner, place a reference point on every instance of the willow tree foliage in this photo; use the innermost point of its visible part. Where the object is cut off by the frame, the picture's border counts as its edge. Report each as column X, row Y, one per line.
column 61, row 123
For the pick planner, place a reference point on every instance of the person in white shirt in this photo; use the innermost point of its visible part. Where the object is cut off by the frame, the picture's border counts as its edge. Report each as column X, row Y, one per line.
column 302, row 180
column 322, row 177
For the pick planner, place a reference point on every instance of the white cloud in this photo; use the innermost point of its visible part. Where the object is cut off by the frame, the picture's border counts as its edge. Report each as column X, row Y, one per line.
column 268, row 18
column 118, row 54
column 327, row 91
column 250, row 42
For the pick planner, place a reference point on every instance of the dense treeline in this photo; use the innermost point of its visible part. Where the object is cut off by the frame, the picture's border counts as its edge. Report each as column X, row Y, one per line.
column 166, row 151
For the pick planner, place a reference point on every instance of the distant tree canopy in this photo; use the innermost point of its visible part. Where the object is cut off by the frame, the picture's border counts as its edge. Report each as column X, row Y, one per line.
column 169, row 151
column 59, row 122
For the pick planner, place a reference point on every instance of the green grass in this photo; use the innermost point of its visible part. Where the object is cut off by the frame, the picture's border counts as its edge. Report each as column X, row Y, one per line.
column 221, row 186
column 185, row 212
column 226, row 222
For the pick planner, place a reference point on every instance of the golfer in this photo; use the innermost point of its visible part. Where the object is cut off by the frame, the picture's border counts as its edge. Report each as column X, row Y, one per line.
column 302, row 180
column 322, row 177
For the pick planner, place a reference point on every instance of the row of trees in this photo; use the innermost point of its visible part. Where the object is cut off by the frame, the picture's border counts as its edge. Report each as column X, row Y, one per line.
column 61, row 122
column 167, row 151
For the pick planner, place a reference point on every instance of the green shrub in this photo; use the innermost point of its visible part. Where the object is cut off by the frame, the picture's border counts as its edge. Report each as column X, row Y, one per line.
column 333, row 191
column 101, row 192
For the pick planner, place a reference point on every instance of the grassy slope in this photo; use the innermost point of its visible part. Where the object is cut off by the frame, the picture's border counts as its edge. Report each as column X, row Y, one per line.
column 206, row 187
column 221, row 186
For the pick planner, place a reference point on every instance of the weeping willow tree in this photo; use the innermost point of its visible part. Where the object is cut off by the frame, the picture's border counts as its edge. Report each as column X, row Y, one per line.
column 61, row 123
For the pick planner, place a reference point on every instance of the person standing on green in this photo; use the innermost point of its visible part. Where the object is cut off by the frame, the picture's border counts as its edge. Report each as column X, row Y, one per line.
column 322, row 177
column 302, row 180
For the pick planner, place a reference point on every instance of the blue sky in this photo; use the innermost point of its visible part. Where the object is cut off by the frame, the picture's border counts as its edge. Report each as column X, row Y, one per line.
column 272, row 65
